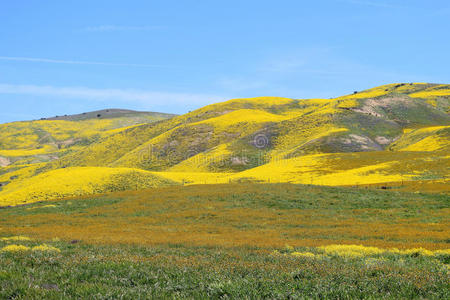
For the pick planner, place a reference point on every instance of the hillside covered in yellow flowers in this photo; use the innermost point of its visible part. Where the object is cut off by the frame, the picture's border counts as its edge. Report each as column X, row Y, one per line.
column 396, row 135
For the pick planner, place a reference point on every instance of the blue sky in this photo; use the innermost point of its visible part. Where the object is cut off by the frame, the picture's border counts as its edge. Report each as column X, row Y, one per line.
column 64, row 57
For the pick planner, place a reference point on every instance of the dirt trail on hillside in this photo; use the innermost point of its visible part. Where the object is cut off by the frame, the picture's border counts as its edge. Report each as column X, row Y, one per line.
column 4, row 162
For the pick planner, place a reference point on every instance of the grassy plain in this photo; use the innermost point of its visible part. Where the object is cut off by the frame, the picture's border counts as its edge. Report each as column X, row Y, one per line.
column 178, row 272
column 230, row 240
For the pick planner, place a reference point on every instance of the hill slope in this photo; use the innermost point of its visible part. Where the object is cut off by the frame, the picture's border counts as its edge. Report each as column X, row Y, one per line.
column 70, row 182
column 48, row 139
column 366, row 121
column 392, row 133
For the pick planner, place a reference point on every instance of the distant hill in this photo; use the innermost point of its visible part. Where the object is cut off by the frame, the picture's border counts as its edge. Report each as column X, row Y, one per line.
column 389, row 134
column 113, row 113
column 48, row 139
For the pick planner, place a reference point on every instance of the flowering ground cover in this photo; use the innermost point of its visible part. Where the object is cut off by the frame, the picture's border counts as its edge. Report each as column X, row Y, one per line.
column 229, row 241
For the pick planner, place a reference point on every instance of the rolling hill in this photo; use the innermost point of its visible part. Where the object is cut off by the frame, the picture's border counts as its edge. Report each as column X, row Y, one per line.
column 396, row 134
column 50, row 138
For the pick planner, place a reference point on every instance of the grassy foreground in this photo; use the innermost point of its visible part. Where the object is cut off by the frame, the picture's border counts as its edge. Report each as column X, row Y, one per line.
column 133, row 272
column 233, row 240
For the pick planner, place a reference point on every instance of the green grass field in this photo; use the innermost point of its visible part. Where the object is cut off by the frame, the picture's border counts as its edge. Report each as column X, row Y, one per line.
column 241, row 241
column 176, row 271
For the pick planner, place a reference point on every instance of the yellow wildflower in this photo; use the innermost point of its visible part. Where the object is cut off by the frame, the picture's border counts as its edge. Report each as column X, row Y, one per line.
column 304, row 254
column 419, row 251
column 43, row 206
column 442, row 252
column 16, row 238
column 289, row 248
column 351, row 250
column 45, row 248
column 15, row 248
column 275, row 252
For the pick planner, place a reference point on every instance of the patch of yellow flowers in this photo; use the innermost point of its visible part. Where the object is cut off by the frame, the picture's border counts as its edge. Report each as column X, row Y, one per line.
column 23, row 248
column 359, row 251
column 350, row 250
column 45, row 248
column 431, row 93
column 15, row 248
column 16, row 238
column 304, row 254
column 429, row 139
column 43, row 206
column 77, row 181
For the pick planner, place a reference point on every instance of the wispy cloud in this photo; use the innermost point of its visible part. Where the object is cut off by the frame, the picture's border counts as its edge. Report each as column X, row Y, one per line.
column 124, row 95
column 76, row 62
column 309, row 72
column 104, row 28
column 371, row 3
column 438, row 12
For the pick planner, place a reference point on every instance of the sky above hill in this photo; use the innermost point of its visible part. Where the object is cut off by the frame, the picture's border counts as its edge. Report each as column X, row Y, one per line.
column 61, row 57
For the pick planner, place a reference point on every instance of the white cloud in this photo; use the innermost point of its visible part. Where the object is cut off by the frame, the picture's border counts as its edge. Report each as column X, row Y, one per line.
column 125, row 95
column 75, row 62
column 104, row 28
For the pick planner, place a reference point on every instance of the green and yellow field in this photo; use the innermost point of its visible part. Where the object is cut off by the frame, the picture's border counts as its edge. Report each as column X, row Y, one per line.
column 263, row 215
column 229, row 241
